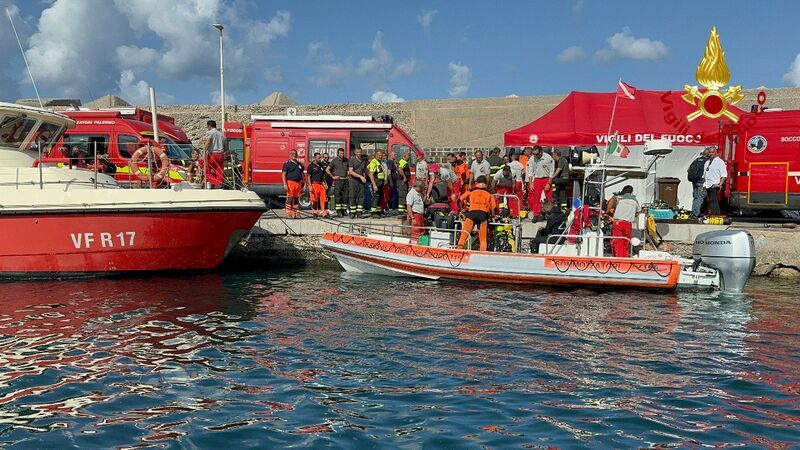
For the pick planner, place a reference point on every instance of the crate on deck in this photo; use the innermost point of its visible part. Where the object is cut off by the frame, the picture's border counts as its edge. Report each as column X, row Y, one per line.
column 662, row 213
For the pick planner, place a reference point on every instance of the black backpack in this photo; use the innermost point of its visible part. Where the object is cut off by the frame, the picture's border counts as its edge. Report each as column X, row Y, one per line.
column 695, row 172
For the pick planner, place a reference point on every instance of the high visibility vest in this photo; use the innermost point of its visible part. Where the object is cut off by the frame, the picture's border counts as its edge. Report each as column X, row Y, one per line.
column 376, row 167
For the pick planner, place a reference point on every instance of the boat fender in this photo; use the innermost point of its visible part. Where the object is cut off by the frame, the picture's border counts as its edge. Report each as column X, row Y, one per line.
column 163, row 163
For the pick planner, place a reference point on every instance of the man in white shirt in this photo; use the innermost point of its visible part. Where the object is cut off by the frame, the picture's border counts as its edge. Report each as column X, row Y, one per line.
column 415, row 207
column 538, row 174
column 479, row 167
column 715, row 173
column 625, row 207
column 421, row 171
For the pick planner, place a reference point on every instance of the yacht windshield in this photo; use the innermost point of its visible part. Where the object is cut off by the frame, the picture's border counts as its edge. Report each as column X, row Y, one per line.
column 176, row 151
column 15, row 129
column 46, row 136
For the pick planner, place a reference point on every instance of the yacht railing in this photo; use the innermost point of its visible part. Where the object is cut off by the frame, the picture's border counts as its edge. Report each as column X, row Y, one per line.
column 556, row 242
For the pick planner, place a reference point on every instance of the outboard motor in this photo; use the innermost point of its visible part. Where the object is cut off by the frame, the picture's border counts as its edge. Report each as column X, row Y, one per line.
column 731, row 252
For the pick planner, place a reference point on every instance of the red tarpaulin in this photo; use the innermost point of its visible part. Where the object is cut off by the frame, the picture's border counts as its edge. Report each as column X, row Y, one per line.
column 583, row 117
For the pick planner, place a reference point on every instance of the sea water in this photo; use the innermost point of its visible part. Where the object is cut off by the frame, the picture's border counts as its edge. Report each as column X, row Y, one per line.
column 313, row 358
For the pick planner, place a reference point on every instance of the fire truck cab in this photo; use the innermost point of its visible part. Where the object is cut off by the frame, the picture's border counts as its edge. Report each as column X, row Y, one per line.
column 274, row 136
column 762, row 151
column 236, row 135
column 108, row 133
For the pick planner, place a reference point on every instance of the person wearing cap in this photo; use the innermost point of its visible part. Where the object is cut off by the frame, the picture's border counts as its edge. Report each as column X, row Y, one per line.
column 625, row 208
column 415, row 208
column 539, row 173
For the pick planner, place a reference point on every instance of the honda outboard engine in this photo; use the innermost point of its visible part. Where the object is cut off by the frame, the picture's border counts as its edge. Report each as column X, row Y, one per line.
column 731, row 252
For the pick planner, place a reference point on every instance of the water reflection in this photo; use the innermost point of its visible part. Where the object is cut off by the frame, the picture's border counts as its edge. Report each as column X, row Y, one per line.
column 317, row 358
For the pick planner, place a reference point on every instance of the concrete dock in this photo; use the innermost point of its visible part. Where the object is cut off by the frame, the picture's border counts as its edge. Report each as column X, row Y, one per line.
column 278, row 241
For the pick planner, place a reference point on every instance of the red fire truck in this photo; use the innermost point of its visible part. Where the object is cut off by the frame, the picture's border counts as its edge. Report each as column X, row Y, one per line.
column 274, row 136
column 763, row 155
column 117, row 137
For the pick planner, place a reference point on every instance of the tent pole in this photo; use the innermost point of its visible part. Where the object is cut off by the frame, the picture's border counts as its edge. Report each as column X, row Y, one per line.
column 610, row 124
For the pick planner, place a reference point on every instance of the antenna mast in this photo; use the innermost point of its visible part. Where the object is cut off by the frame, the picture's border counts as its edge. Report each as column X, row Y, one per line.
column 24, row 58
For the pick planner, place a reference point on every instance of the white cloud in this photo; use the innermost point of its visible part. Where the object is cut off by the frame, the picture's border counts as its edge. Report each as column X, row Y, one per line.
column 229, row 98
column 624, row 45
column 793, row 75
column 274, row 74
column 264, row 33
column 319, row 51
column 69, row 52
column 138, row 92
column 571, row 54
column 577, row 6
column 378, row 68
column 386, row 97
column 379, row 63
column 425, row 18
column 332, row 75
column 460, row 79
column 189, row 43
column 406, row 68
column 132, row 57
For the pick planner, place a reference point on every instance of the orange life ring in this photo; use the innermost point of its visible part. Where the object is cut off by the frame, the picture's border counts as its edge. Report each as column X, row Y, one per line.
column 163, row 163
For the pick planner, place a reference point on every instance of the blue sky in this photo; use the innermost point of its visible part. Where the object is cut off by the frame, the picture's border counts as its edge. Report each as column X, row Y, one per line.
column 360, row 51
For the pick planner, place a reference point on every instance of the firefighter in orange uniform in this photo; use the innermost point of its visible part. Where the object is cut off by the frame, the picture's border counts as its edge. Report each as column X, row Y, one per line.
column 481, row 207
column 292, row 175
column 319, row 188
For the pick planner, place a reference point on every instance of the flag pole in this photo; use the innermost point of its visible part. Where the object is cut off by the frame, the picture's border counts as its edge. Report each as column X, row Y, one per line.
column 611, row 122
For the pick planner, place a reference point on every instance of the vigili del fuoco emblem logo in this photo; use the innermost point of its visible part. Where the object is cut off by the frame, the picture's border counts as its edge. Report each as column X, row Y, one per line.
column 713, row 74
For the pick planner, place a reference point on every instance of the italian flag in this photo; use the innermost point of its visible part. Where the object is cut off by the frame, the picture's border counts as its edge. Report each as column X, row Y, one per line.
column 616, row 148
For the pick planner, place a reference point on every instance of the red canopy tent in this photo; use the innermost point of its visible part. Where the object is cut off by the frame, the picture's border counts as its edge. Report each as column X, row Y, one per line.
column 582, row 118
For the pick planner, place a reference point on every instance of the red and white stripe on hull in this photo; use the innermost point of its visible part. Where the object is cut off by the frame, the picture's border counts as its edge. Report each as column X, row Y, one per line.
column 370, row 255
column 126, row 241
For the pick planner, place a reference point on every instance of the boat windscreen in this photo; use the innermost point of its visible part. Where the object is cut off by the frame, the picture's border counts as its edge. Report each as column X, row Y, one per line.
column 46, row 135
column 14, row 130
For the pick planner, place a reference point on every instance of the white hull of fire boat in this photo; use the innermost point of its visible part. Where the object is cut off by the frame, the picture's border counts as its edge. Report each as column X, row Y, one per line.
column 373, row 255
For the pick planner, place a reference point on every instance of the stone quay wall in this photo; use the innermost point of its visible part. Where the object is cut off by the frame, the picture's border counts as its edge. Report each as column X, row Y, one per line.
column 438, row 126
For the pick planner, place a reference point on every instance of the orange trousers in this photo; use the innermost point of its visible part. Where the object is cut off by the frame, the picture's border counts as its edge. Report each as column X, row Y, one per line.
column 293, row 191
column 483, row 231
column 319, row 199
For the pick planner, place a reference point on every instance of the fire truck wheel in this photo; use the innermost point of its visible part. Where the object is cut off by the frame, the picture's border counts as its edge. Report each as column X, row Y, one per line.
column 305, row 201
